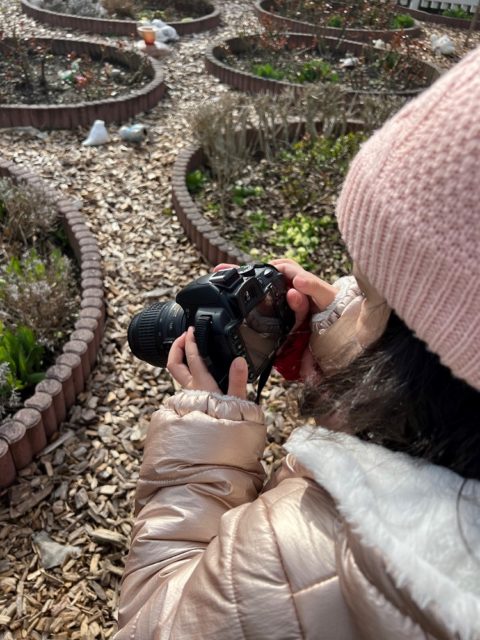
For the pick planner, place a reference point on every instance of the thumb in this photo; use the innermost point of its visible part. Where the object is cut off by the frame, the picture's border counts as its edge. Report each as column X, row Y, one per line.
column 237, row 378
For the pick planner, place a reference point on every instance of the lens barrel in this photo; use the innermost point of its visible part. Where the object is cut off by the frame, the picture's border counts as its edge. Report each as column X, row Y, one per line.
column 152, row 332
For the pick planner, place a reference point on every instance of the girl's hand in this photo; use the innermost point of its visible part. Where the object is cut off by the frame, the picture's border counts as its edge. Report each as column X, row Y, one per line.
column 308, row 294
column 195, row 375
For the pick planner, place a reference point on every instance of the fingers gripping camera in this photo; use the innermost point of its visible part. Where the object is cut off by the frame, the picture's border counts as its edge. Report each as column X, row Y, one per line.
column 236, row 312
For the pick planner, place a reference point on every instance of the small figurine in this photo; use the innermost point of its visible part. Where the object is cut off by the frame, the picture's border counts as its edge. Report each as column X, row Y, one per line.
column 165, row 33
column 98, row 134
column 134, row 133
column 350, row 62
column 443, row 45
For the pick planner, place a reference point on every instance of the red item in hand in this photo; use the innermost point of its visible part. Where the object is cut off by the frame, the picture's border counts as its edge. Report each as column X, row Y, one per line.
column 289, row 359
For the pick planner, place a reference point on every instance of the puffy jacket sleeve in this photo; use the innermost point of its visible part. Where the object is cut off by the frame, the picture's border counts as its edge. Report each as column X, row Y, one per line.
column 201, row 459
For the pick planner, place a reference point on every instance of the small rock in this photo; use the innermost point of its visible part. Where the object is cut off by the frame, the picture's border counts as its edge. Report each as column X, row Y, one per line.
column 53, row 554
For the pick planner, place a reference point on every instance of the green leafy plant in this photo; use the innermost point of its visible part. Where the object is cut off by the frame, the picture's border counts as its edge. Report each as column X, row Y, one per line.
column 315, row 70
column 23, row 355
column 258, row 224
column 299, row 236
column 196, row 181
column 335, row 21
column 240, row 193
column 402, row 21
column 267, row 71
column 457, row 12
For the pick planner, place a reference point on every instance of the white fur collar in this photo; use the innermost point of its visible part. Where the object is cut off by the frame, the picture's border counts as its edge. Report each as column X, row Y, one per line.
column 406, row 508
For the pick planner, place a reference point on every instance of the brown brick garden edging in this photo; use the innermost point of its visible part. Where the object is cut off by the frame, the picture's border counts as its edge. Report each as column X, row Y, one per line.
column 201, row 233
column 117, row 27
column 275, row 21
column 71, row 116
column 425, row 16
column 30, row 429
column 251, row 83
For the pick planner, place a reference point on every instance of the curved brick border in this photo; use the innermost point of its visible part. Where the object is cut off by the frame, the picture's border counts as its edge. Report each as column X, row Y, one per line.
column 116, row 27
column 425, row 16
column 201, row 233
column 70, row 116
column 254, row 84
column 26, row 434
column 275, row 21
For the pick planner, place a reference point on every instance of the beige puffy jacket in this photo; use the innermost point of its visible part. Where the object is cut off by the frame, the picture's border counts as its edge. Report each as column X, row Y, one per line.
column 349, row 541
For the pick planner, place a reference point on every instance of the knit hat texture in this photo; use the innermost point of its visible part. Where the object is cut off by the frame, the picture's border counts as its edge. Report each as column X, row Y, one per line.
column 409, row 213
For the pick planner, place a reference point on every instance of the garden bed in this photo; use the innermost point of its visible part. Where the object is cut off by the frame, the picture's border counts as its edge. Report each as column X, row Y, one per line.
column 435, row 16
column 276, row 15
column 259, row 63
column 189, row 19
column 70, row 83
column 25, row 434
column 263, row 178
column 254, row 229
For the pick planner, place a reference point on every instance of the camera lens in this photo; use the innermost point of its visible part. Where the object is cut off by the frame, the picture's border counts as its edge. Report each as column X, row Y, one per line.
column 152, row 331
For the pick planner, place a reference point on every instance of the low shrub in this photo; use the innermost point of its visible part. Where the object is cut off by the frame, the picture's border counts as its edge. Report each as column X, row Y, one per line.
column 457, row 12
column 26, row 213
column 402, row 21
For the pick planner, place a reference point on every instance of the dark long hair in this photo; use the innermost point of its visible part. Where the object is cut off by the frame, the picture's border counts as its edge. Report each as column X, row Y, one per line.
column 399, row 395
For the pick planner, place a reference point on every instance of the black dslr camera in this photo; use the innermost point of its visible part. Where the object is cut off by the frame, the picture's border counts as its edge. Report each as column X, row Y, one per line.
column 236, row 312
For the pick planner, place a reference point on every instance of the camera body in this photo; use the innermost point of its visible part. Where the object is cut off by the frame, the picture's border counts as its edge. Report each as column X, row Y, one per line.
column 236, row 312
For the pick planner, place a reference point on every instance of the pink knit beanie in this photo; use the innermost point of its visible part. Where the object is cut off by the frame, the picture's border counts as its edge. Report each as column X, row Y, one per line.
column 409, row 213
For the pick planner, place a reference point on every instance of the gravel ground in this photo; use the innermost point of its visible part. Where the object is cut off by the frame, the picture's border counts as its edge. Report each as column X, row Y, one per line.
column 79, row 494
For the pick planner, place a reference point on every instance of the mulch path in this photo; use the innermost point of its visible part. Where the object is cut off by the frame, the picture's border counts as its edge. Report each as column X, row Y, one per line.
column 79, row 493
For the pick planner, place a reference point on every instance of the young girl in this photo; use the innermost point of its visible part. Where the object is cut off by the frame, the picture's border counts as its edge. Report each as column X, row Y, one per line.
column 371, row 528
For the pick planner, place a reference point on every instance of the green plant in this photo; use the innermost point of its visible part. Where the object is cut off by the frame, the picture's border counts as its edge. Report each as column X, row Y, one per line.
column 241, row 192
column 196, row 181
column 335, row 21
column 257, row 224
column 457, row 12
column 21, row 360
column 402, row 21
column 267, row 71
column 315, row 70
column 299, row 236
column 38, row 293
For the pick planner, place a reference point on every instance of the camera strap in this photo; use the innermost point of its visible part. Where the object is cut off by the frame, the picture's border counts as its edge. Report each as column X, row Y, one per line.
column 262, row 381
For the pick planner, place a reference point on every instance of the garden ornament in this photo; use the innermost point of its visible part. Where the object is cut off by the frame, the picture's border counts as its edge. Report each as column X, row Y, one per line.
column 442, row 45
column 165, row 33
column 134, row 133
column 98, row 134
column 349, row 62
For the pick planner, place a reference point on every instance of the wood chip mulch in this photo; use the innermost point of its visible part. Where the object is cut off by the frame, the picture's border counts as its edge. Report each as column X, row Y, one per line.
column 65, row 525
